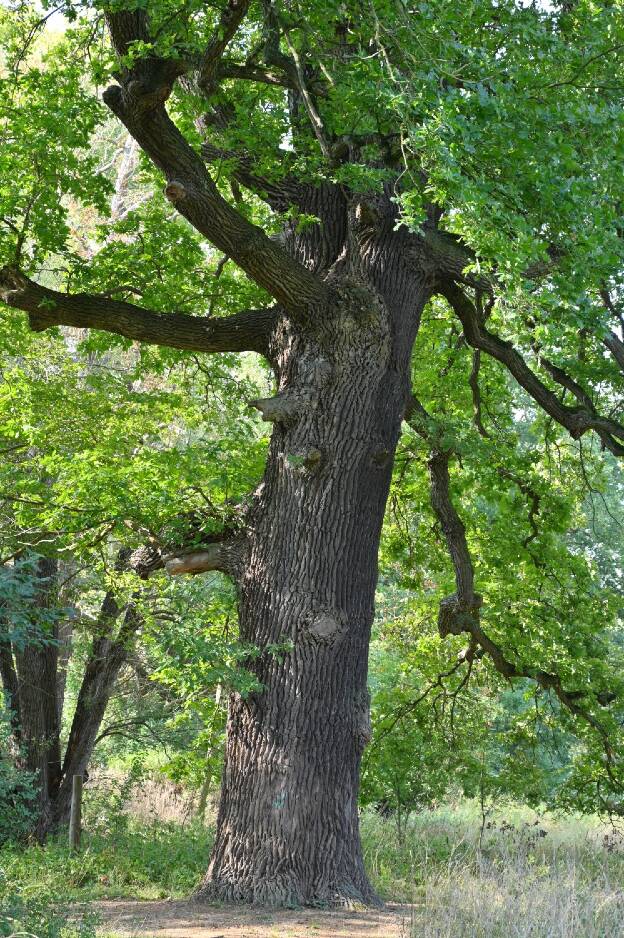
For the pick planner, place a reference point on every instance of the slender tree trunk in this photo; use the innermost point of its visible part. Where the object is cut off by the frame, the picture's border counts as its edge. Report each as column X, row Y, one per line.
column 106, row 658
column 36, row 668
column 10, row 688
column 288, row 821
column 33, row 677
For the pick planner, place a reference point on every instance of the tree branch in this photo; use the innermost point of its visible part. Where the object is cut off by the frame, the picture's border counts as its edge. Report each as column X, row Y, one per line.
column 245, row 331
column 138, row 102
column 460, row 612
column 476, row 393
column 223, row 555
column 10, row 687
column 450, row 258
column 223, row 551
column 279, row 195
column 229, row 21
column 576, row 420
column 616, row 347
column 250, row 72
column 612, row 341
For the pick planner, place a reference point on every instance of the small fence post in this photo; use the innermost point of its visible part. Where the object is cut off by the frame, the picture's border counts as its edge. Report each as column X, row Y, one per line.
column 75, row 818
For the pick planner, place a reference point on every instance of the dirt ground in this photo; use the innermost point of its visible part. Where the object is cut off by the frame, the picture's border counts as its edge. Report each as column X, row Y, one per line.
column 167, row 919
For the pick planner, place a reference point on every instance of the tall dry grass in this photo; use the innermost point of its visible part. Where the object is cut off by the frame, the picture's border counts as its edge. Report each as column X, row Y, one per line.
column 519, row 877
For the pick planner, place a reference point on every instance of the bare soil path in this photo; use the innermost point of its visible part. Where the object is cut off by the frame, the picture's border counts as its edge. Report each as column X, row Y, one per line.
column 167, row 919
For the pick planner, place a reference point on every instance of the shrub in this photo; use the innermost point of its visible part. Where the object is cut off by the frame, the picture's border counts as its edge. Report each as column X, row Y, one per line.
column 17, row 793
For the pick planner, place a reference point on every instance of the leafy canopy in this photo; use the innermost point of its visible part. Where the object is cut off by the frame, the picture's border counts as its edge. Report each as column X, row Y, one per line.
column 503, row 123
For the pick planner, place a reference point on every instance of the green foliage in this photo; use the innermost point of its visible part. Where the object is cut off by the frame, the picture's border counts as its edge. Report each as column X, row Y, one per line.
column 123, row 856
column 40, row 168
column 24, row 621
column 137, row 859
column 535, row 514
column 508, row 118
column 17, row 791
column 122, row 853
column 40, row 915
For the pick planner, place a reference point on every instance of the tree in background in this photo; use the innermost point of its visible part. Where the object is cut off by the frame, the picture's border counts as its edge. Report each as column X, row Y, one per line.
column 70, row 601
column 393, row 156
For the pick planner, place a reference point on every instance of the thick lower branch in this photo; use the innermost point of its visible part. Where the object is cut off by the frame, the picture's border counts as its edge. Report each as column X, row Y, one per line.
column 222, row 555
column 246, row 331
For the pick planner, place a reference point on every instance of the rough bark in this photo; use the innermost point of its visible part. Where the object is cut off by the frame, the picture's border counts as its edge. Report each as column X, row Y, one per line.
column 288, row 820
column 36, row 669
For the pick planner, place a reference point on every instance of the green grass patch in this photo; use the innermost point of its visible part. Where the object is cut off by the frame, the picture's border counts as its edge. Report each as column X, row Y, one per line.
column 135, row 859
column 518, row 874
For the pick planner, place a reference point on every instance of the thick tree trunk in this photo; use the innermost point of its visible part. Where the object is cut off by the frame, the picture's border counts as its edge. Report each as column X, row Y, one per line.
column 288, row 820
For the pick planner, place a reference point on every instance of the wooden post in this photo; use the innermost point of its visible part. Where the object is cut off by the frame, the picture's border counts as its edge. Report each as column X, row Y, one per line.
column 75, row 817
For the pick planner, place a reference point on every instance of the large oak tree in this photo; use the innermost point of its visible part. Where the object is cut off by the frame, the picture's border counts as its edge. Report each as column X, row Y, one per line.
column 355, row 161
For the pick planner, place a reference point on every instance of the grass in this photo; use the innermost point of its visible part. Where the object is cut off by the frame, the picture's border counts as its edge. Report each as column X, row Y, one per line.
column 141, row 860
column 140, row 840
column 523, row 876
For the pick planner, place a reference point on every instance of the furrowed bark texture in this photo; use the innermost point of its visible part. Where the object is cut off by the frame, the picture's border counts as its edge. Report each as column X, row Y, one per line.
column 288, row 821
column 39, row 727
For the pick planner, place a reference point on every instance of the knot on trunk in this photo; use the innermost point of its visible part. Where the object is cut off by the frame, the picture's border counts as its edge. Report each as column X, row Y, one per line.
column 307, row 461
column 367, row 215
column 285, row 406
column 381, row 457
column 459, row 615
column 175, row 191
column 325, row 627
column 357, row 334
column 137, row 95
column 143, row 561
column 313, row 374
column 12, row 283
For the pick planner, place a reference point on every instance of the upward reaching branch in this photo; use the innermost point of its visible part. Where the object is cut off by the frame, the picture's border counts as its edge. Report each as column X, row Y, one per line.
column 279, row 195
column 139, row 102
column 230, row 20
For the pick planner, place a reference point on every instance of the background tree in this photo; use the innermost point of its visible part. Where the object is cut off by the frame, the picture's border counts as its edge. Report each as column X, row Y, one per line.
column 393, row 154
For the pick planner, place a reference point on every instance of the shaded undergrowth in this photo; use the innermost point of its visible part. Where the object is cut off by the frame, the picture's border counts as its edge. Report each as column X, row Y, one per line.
column 516, row 875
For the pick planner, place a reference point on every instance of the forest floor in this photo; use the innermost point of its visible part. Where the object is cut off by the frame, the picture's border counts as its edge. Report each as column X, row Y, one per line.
column 183, row 919
column 444, row 874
